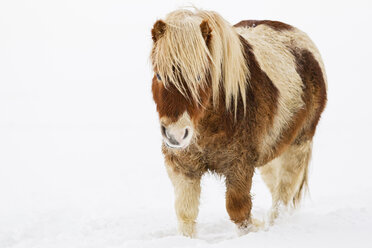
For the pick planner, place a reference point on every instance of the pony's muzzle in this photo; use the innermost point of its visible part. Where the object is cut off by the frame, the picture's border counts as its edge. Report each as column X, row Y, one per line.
column 175, row 137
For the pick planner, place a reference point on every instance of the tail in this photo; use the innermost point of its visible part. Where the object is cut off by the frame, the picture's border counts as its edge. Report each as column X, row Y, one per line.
column 303, row 186
column 303, row 189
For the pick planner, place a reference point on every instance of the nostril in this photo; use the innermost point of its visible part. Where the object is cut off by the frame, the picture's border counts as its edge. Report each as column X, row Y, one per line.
column 186, row 133
column 163, row 130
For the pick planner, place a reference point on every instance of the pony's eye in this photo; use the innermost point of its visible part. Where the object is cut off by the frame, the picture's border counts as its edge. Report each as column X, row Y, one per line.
column 158, row 76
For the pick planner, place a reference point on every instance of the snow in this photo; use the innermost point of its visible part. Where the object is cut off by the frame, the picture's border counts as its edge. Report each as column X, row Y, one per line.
column 80, row 159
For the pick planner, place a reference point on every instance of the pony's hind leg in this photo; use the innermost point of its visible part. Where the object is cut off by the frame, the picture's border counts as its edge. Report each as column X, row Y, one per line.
column 293, row 173
column 286, row 176
column 270, row 175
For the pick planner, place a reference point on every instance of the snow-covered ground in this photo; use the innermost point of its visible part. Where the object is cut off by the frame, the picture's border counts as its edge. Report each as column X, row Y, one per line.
column 80, row 160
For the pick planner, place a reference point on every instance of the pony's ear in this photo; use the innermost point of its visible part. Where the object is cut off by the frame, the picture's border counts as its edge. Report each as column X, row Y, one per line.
column 206, row 31
column 158, row 30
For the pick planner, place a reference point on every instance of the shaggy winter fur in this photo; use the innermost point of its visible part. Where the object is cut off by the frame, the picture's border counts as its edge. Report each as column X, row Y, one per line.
column 272, row 77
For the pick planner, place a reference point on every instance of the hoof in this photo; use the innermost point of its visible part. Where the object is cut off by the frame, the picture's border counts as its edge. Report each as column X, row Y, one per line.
column 252, row 225
column 278, row 211
column 273, row 215
column 187, row 229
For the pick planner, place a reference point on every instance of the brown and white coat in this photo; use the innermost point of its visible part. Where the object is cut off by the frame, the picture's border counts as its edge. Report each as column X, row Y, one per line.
column 231, row 99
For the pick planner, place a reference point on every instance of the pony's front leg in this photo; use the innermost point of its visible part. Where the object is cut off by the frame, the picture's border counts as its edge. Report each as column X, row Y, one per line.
column 238, row 199
column 187, row 194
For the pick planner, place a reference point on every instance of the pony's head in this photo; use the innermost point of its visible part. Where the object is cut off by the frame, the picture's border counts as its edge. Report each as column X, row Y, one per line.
column 193, row 55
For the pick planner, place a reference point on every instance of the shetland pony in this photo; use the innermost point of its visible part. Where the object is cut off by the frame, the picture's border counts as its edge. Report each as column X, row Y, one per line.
column 231, row 99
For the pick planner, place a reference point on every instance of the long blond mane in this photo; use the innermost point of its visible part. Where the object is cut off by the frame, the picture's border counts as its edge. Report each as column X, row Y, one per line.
column 181, row 56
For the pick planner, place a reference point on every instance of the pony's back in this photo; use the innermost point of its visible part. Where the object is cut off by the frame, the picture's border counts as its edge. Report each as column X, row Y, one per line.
column 281, row 51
